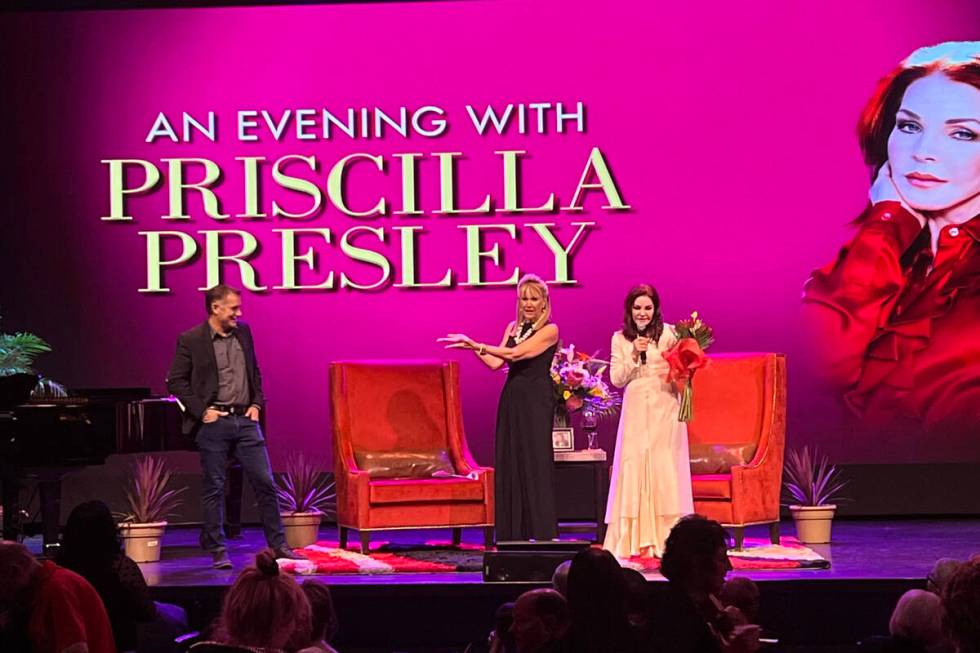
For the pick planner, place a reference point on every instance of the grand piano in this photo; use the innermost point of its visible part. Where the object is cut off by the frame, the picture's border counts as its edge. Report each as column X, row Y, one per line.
column 44, row 439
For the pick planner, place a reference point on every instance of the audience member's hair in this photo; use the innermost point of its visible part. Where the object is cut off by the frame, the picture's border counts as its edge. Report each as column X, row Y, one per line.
column 596, row 600
column 323, row 616
column 503, row 619
column 637, row 597
column 559, row 579
column 549, row 603
column 692, row 543
column 940, row 573
column 961, row 600
column 91, row 547
column 742, row 593
column 17, row 566
column 90, row 543
column 264, row 608
column 918, row 618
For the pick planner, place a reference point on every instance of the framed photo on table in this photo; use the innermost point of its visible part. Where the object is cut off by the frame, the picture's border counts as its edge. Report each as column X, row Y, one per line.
column 563, row 439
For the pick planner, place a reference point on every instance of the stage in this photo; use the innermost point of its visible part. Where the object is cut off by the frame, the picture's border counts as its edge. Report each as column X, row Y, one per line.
column 872, row 563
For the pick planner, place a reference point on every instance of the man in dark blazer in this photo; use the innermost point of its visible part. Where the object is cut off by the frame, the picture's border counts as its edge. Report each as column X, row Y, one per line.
column 216, row 378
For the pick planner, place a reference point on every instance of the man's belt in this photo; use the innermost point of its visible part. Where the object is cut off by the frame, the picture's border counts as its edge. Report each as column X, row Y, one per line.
column 231, row 409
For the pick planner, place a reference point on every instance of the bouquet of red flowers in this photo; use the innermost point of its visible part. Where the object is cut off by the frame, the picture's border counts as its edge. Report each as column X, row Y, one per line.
column 686, row 357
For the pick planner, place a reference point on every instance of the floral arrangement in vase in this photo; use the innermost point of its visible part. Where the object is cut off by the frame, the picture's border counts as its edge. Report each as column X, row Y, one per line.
column 578, row 384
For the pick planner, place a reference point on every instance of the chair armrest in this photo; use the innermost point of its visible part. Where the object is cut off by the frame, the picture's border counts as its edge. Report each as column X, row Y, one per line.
column 352, row 496
column 756, row 488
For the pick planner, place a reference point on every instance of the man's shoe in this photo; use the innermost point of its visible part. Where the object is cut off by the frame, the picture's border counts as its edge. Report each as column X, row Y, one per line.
column 220, row 560
column 287, row 553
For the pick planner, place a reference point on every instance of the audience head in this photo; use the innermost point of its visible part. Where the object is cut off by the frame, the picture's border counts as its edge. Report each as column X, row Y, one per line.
column 597, row 600
column 264, row 608
column 503, row 619
column 918, row 618
column 637, row 598
column 961, row 600
column 17, row 569
column 559, row 580
column 940, row 573
column 323, row 616
column 540, row 617
column 742, row 593
column 91, row 537
column 696, row 555
column 595, row 580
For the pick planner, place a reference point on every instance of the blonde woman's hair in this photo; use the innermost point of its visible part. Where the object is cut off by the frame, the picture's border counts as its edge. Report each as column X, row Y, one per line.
column 538, row 283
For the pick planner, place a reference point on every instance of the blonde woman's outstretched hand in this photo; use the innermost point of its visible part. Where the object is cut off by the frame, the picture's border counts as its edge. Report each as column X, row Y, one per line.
column 458, row 341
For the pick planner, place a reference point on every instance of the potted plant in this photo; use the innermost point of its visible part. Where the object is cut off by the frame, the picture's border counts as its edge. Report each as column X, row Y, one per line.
column 304, row 497
column 150, row 503
column 17, row 354
column 814, row 487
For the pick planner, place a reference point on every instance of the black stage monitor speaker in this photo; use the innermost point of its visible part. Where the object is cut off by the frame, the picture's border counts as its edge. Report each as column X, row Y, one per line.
column 528, row 561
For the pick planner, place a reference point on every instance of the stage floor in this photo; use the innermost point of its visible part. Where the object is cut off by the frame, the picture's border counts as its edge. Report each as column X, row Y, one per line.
column 872, row 563
column 861, row 550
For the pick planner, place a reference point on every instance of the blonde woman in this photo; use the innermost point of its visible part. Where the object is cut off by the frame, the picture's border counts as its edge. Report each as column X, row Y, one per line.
column 525, row 502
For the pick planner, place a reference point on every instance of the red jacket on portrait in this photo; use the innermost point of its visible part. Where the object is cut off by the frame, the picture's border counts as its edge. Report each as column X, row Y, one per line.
column 897, row 330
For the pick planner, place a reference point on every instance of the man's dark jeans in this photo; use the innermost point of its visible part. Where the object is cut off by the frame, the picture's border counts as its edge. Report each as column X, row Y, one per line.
column 216, row 441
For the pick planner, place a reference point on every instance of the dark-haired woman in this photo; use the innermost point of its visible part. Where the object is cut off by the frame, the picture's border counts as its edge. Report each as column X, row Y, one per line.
column 651, row 476
column 91, row 548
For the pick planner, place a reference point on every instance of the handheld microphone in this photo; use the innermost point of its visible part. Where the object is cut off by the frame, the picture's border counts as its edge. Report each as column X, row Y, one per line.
column 643, row 354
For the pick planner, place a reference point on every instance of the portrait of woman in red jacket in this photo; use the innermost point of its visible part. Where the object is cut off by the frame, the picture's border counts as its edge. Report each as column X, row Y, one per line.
column 895, row 318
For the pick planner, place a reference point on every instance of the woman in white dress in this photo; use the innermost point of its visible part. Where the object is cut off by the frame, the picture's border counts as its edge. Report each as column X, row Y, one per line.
column 651, row 475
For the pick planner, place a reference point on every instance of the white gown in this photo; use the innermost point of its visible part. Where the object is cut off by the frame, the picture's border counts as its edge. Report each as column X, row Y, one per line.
column 650, row 487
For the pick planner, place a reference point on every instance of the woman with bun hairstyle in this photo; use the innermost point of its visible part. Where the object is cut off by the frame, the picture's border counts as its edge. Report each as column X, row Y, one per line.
column 262, row 611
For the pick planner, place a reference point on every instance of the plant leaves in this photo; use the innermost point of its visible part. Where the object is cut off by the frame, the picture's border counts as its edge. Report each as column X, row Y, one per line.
column 303, row 488
column 811, row 480
column 149, row 499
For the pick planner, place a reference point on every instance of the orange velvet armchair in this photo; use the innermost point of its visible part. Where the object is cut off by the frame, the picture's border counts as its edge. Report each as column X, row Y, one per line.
column 741, row 399
column 404, row 406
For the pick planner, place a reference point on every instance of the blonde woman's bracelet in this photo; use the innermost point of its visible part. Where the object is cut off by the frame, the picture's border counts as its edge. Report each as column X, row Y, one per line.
column 483, row 349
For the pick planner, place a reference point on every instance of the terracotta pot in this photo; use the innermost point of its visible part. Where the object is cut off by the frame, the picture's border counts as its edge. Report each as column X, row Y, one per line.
column 302, row 528
column 142, row 541
column 813, row 523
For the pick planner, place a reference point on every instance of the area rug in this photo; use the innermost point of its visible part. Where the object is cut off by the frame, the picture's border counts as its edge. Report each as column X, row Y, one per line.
column 442, row 557
column 387, row 558
column 756, row 555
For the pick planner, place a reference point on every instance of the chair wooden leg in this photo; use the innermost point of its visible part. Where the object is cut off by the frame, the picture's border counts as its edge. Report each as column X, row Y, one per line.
column 457, row 536
column 487, row 536
column 739, row 532
column 774, row 532
column 365, row 541
column 342, row 531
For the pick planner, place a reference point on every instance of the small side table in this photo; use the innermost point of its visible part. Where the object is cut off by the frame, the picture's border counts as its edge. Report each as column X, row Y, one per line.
column 581, row 488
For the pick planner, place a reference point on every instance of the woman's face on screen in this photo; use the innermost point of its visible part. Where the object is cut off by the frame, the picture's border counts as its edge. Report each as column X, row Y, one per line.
column 934, row 149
